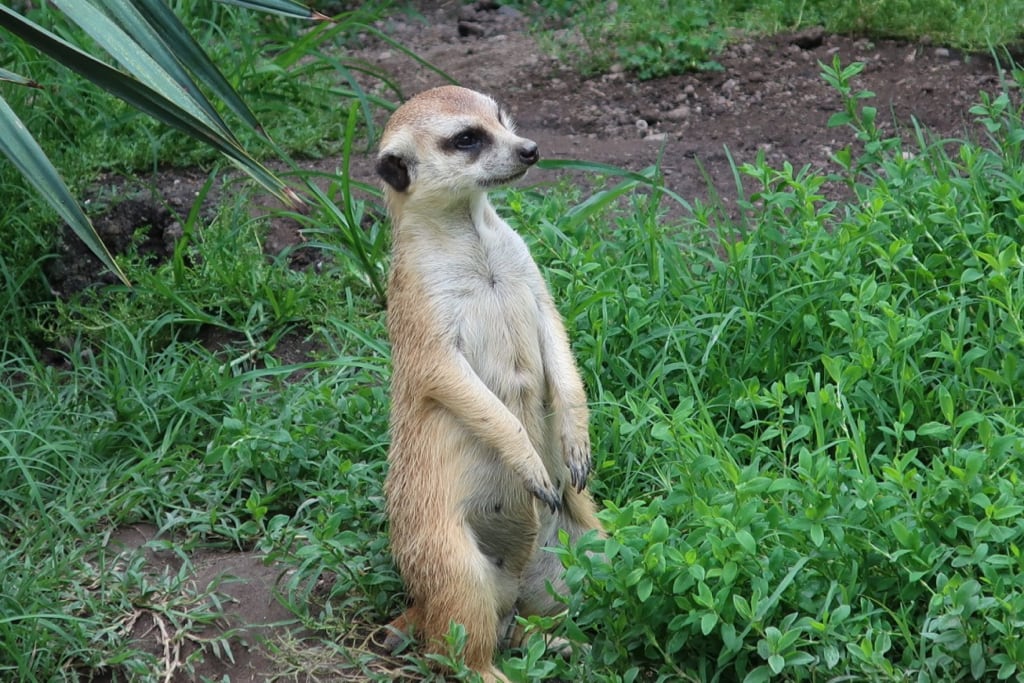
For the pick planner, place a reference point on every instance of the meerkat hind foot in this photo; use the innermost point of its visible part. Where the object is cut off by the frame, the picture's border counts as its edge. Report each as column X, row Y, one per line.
column 399, row 631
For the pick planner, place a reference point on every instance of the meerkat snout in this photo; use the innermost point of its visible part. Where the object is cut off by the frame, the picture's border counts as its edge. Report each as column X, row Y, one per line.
column 528, row 153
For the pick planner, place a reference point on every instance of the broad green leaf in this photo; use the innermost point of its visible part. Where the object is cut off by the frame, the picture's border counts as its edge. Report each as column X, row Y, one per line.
column 708, row 622
column 746, row 541
column 758, row 675
column 25, row 153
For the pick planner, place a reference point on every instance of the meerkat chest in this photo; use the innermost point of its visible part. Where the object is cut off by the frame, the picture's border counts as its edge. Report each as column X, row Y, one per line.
column 496, row 318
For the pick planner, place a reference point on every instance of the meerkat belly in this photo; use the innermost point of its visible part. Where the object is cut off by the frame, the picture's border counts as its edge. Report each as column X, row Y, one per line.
column 500, row 337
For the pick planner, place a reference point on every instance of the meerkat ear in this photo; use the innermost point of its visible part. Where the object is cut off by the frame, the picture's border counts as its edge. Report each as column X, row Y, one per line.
column 394, row 171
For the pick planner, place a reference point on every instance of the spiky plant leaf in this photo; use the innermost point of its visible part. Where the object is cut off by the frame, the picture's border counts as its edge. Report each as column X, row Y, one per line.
column 25, row 153
column 285, row 8
column 160, row 101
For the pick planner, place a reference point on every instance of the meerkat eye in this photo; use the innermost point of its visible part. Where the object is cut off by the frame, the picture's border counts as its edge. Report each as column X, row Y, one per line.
column 471, row 140
column 467, row 140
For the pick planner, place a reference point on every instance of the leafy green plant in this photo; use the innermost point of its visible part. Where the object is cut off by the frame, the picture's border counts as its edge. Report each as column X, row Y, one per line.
column 820, row 438
column 664, row 38
column 650, row 40
column 685, row 39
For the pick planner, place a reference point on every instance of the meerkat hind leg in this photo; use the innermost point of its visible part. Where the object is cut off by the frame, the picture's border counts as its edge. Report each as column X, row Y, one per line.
column 576, row 518
column 464, row 588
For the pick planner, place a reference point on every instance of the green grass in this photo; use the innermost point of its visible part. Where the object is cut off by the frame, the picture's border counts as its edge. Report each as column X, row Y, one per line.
column 653, row 39
column 822, row 427
column 807, row 422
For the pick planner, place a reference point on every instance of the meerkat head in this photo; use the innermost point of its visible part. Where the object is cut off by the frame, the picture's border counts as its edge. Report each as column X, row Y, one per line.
column 449, row 144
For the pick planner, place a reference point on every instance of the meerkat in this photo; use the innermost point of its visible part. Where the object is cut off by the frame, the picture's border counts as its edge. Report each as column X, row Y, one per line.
column 490, row 448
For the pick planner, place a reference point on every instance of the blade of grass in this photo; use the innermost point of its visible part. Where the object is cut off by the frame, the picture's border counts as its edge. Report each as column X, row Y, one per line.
column 345, row 218
column 377, row 33
column 649, row 176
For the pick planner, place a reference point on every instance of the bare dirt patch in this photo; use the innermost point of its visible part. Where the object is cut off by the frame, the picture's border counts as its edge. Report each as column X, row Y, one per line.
column 768, row 98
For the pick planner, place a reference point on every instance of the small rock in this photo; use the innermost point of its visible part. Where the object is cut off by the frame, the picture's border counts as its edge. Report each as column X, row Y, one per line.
column 689, row 90
column 657, row 137
column 172, row 233
column 941, row 52
column 678, row 114
column 470, row 28
column 729, row 87
column 810, row 38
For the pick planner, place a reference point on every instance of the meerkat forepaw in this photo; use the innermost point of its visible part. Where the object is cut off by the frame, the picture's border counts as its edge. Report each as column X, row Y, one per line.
column 545, row 492
column 580, row 466
column 577, row 457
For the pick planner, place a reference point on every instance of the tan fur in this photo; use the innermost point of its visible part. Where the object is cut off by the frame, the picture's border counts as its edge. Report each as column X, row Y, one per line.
column 490, row 450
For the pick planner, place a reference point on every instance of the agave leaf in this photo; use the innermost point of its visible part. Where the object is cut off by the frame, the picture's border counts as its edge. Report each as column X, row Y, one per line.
column 179, row 47
column 286, row 8
column 144, row 98
column 12, row 77
column 25, row 153
column 137, row 60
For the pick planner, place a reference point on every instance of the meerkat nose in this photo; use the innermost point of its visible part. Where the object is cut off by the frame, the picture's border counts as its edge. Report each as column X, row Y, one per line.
column 528, row 153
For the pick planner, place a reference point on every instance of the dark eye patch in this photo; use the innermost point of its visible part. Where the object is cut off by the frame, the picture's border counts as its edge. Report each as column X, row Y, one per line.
column 471, row 140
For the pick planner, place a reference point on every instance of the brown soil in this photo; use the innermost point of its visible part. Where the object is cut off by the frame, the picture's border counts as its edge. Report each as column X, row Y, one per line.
column 769, row 97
